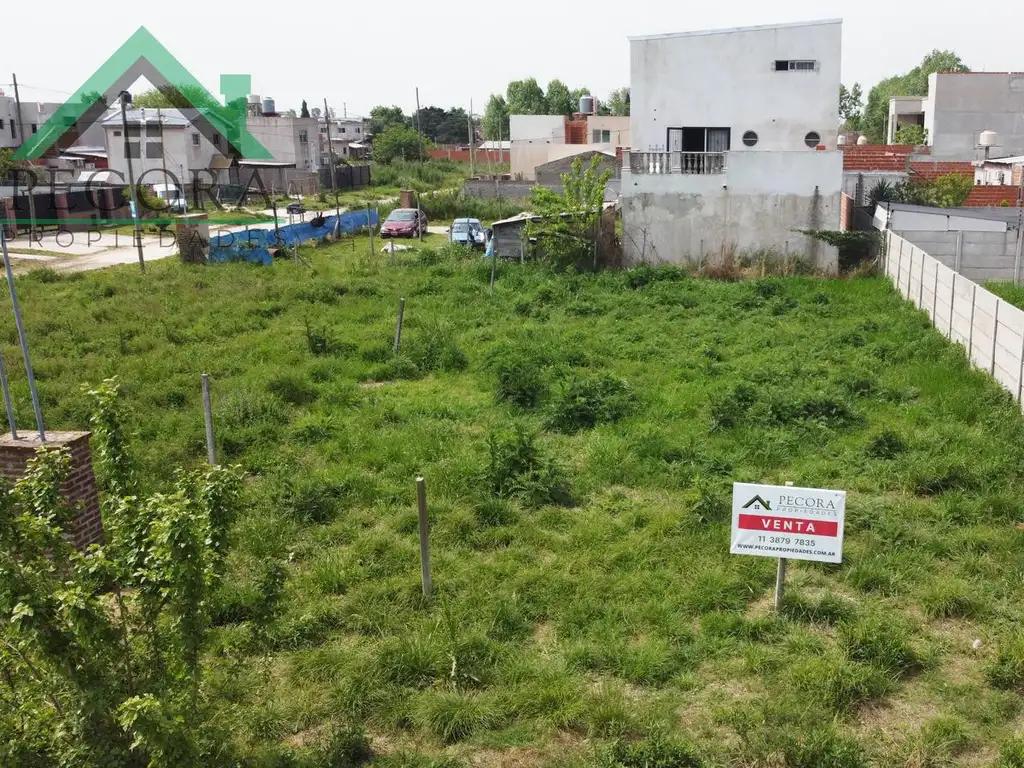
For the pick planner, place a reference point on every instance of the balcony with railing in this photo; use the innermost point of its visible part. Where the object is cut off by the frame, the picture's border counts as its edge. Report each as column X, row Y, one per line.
column 691, row 163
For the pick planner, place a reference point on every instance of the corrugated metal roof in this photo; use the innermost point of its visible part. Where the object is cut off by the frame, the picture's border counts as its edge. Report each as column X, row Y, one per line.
column 999, row 213
column 170, row 117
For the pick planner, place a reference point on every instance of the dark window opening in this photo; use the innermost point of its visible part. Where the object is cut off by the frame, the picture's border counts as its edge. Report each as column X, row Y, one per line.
column 699, row 139
column 195, row 139
column 35, row 128
column 154, row 149
column 216, row 139
column 795, row 65
column 153, row 129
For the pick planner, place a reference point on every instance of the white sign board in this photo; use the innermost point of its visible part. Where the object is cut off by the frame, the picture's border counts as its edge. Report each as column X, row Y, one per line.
column 783, row 521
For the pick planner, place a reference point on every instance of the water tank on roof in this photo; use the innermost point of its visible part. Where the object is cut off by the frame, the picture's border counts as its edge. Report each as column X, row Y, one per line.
column 988, row 139
column 269, row 108
column 254, row 98
column 862, row 141
column 586, row 105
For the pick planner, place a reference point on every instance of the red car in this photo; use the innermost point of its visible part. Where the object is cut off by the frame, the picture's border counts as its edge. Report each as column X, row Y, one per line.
column 404, row 222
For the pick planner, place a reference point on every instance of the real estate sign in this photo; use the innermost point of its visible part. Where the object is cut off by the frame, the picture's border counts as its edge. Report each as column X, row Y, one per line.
column 783, row 521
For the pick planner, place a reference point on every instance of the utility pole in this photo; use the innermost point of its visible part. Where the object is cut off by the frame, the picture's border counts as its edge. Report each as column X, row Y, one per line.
column 471, row 142
column 163, row 149
column 21, row 134
column 330, row 149
column 126, row 98
column 419, row 131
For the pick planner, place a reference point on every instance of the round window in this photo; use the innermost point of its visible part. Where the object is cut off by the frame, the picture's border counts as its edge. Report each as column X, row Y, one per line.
column 750, row 138
column 812, row 139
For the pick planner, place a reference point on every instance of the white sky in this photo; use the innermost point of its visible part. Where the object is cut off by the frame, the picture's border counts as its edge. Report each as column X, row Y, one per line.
column 363, row 55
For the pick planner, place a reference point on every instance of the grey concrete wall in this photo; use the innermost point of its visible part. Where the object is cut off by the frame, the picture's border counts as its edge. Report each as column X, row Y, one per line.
column 983, row 255
column 966, row 104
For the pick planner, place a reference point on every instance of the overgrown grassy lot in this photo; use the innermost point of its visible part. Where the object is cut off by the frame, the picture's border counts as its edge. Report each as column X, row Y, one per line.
column 579, row 435
column 1007, row 290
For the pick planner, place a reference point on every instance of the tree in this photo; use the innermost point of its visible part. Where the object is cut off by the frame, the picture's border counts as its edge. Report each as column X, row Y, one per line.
column 525, row 97
column 850, row 105
column 382, row 118
column 914, row 135
column 618, row 101
column 7, row 162
column 496, row 118
column 398, row 142
column 569, row 224
column 102, row 651
column 559, row 99
column 176, row 97
column 304, row 110
column 913, row 83
column 444, row 126
column 316, row 112
column 951, row 190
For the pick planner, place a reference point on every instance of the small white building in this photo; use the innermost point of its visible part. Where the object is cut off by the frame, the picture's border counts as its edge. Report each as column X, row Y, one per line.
column 999, row 171
column 734, row 143
column 155, row 143
column 959, row 106
column 540, row 139
column 347, row 136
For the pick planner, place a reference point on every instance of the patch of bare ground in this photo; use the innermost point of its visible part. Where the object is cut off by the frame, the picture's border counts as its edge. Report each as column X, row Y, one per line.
column 387, row 743
column 887, row 721
column 562, row 745
column 544, row 636
column 698, row 717
column 306, row 737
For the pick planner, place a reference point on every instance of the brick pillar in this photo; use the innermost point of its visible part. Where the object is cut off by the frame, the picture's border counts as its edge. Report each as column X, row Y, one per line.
column 79, row 489
column 60, row 204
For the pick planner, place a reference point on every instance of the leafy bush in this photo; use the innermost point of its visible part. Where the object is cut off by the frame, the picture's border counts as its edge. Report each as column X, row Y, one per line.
column 657, row 751
column 517, row 467
column 583, row 402
column 519, row 375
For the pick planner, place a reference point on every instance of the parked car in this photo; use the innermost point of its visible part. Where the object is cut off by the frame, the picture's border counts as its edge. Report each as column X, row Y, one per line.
column 404, row 222
column 467, row 232
column 296, row 208
column 172, row 196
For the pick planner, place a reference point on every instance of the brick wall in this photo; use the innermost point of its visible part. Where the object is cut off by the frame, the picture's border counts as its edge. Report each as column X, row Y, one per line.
column 878, row 157
column 79, row 489
column 927, row 171
column 845, row 212
column 986, row 196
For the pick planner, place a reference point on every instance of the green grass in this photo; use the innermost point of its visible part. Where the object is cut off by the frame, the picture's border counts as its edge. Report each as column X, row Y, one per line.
column 1007, row 291
column 578, row 435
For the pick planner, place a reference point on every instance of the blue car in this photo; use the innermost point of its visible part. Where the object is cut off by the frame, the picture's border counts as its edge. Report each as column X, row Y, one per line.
column 467, row 232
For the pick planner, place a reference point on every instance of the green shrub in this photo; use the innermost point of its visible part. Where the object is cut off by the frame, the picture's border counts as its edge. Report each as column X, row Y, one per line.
column 731, row 409
column 583, row 402
column 398, row 368
column 518, row 467
column 656, row 751
column 451, row 716
column 1011, row 753
column 520, row 376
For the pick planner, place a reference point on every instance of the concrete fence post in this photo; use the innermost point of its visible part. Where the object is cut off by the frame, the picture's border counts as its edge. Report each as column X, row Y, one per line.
column 959, row 250
column 995, row 333
column 1020, row 370
column 899, row 268
column 935, row 295
column 920, row 280
column 970, row 330
column 952, row 300
column 1016, row 259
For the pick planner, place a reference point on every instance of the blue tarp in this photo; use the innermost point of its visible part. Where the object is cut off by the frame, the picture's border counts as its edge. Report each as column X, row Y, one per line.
column 255, row 244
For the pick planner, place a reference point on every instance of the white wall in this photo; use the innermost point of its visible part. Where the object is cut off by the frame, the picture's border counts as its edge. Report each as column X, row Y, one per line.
column 966, row 104
column 149, row 170
column 531, row 137
column 31, row 114
column 616, row 125
column 754, row 206
column 280, row 135
column 726, row 79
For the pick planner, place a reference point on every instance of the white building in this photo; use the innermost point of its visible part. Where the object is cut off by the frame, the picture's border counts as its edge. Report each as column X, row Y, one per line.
column 348, row 136
column 540, row 139
column 959, row 106
column 153, row 145
column 734, row 138
column 33, row 115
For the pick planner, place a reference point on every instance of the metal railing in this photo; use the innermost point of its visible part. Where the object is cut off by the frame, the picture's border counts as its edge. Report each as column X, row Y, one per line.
column 699, row 163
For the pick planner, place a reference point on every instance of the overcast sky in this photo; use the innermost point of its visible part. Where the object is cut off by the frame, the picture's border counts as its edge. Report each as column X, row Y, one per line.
column 378, row 53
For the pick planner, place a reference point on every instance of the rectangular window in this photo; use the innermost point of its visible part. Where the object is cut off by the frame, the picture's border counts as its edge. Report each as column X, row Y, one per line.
column 35, row 128
column 133, row 130
column 699, row 139
column 133, row 150
column 303, row 137
column 601, row 137
column 153, row 129
column 358, row 129
column 195, row 139
column 154, row 149
column 216, row 139
column 1, row 124
column 117, row 133
column 343, row 129
column 795, row 65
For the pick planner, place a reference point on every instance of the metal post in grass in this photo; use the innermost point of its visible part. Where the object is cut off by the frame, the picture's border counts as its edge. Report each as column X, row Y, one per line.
column 780, row 578
column 494, row 259
column 398, row 324
column 208, row 418
column 22, row 338
column 421, row 503
column 7, row 396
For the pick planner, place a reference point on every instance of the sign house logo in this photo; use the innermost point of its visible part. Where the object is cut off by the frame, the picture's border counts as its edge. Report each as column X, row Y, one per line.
column 143, row 56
